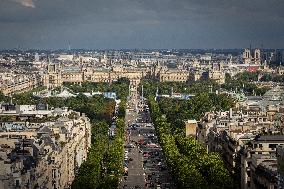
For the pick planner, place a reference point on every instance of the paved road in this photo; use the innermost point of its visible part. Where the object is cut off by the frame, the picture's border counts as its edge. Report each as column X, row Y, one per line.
column 147, row 168
column 135, row 176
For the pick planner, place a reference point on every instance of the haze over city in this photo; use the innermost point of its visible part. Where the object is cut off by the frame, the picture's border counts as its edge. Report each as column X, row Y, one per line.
column 141, row 94
column 154, row 24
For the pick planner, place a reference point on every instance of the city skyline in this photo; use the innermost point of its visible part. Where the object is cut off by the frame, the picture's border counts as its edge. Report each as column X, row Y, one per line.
column 126, row 24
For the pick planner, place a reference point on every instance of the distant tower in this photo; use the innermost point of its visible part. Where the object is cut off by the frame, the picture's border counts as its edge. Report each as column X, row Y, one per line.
column 257, row 56
column 221, row 66
column 265, row 65
column 158, row 64
column 230, row 60
column 52, row 68
column 212, row 66
column 69, row 47
column 247, row 56
column 36, row 57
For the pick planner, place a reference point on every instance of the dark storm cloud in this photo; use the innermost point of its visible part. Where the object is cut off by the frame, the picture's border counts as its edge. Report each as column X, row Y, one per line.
column 141, row 23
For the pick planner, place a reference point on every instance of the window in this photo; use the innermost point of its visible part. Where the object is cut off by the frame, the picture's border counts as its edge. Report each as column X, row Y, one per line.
column 249, row 164
column 17, row 183
column 53, row 173
column 248, row 172
column 272, row 145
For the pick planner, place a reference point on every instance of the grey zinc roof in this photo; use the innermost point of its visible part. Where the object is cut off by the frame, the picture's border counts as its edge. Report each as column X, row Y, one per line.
column 273, row 138
column 44, row 129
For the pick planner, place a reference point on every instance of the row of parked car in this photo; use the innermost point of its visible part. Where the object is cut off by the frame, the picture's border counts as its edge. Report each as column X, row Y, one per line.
column 156, row 173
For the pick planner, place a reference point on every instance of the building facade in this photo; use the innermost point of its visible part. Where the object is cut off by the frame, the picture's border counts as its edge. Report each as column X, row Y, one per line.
column 42, row 148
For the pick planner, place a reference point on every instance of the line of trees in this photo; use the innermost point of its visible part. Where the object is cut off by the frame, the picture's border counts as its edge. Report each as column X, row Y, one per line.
column 104, row 165
column 195, row 107
column 91, row 171
column 114, row 157
column 120, row 87
column 241, row 81
column 191, row 165
column 150, row 87
column 244, row 81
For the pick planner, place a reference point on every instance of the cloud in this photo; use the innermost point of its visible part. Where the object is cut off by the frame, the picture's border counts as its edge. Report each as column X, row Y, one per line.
column 141, row 23
column 25, row 3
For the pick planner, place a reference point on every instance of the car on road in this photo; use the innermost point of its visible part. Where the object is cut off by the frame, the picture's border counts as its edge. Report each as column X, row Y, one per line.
column 149, row 125
column 152, row 145
column 134, row 128
column 129, row 146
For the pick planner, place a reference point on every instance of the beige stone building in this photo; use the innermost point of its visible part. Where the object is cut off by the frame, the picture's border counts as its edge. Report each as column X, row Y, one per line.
column 57, row 75
column 53, row 77
column 246, row 138
column 44, row 152
column 217, row 74
column 16, row 83
column 164, row 74
column 254, row 167
column 249, row 58
column 174, row 75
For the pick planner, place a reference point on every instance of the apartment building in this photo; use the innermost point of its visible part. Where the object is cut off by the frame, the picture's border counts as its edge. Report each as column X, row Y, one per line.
column 247, row 137
column 262, row 147
column 41, row 148
column 16, row 83
column 263, row 172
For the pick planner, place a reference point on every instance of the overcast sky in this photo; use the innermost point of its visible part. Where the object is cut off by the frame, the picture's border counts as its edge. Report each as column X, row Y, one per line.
column 118, row 24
